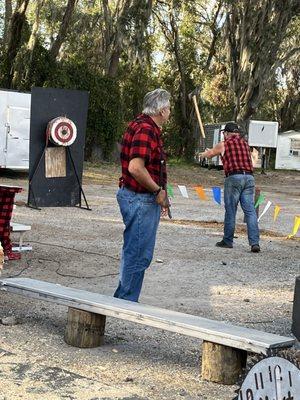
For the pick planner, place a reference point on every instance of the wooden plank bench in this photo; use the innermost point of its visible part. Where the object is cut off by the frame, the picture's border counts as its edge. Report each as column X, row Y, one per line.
column 225, row 346
column 21, row 229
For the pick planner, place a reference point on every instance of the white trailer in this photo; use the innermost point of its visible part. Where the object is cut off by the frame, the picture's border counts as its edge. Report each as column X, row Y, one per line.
column 14, row 129
column 288, row 151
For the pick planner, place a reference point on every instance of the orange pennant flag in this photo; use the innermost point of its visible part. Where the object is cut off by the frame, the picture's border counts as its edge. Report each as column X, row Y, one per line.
column 200, row 192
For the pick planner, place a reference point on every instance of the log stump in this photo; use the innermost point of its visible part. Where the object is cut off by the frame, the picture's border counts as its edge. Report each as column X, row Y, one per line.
column 84, row 329
column 222, row 364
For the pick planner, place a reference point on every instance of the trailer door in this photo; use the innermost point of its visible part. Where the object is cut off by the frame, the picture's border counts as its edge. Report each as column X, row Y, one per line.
column 17, row 137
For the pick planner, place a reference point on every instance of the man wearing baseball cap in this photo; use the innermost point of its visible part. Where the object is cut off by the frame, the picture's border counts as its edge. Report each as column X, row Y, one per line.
column 239, row 185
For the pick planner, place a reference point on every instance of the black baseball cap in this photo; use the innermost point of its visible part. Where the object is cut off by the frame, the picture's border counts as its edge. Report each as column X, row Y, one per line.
column 232, row 127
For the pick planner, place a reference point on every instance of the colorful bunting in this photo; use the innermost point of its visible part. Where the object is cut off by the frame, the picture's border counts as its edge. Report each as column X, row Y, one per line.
column 260, row 200
column 217, row 194
column 296, row 227
column 268, row 205
column 170, row 190
column 276, row 212
column 201, row 193
column 183, row 191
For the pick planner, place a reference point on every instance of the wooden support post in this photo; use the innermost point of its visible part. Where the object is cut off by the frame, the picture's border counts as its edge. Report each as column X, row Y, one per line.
column 84, row 329
column 222, row 364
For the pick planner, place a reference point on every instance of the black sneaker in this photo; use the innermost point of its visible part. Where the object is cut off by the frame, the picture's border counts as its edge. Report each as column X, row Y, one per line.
column 255, row 248
column 224, row 244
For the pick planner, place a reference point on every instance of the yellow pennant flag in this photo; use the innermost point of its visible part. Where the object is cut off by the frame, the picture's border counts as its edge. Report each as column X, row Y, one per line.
column 200, row 192
column 276, row 212
column 296, row 227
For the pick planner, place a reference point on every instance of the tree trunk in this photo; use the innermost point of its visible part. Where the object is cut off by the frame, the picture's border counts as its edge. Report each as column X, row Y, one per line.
column 23, row 69
column 186, row 128
column 14, row 38
column 7, row 17
column 63, row 30
column 255, row 31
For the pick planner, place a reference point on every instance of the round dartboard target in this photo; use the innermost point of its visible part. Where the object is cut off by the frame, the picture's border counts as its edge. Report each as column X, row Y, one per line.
column 62, row 131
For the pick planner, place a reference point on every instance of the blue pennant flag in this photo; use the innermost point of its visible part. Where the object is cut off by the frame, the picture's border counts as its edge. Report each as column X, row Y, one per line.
column 217, row 194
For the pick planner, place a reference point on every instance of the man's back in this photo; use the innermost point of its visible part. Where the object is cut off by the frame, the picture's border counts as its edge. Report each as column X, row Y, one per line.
column 236, row 155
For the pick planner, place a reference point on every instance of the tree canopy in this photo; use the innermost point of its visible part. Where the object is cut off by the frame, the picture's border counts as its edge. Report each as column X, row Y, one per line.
column 242, row 56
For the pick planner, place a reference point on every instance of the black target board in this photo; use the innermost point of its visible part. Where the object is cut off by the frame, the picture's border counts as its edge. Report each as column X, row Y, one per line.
column 62, row 187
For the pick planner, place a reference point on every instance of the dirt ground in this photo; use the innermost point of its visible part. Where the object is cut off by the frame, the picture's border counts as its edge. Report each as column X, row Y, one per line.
column 80, row 248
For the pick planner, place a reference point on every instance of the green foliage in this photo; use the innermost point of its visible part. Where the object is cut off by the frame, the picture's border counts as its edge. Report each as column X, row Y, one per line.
column 104, row 123
column 180, row 48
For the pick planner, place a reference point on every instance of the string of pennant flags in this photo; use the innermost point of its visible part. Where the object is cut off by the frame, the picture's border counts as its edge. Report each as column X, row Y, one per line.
column 217, row 196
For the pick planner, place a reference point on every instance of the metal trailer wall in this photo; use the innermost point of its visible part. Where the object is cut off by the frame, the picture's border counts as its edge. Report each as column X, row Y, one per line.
column 286, row 157
column 14, row 129
column 212, row 137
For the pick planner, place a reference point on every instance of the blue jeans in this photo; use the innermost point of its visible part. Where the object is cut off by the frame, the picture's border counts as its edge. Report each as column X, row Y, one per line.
column 141, row 216
column 240, row 188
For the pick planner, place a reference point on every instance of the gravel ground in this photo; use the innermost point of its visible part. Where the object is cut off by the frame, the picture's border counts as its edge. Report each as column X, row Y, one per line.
column 80, row 248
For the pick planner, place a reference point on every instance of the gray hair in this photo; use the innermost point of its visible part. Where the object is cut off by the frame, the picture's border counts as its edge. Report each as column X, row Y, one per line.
column 155, row 101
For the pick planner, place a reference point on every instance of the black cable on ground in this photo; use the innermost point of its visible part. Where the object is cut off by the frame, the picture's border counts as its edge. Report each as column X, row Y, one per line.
column 80, row 251
column 28, row 262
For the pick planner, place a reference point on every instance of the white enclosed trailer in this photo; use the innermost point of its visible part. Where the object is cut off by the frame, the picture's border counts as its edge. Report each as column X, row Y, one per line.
column 14, row 129
column 288, row 151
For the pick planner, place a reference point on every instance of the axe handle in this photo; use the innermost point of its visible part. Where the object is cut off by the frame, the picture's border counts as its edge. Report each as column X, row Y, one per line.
column 198, row 116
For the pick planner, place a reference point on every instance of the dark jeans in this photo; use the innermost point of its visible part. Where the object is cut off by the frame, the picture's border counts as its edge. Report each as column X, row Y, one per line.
column 141, row 216
column 240, row 188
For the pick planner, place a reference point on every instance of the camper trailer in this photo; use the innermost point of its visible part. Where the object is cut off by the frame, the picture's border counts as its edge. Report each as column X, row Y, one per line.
column 14, row 129
column 288, row 151
column 213, row 135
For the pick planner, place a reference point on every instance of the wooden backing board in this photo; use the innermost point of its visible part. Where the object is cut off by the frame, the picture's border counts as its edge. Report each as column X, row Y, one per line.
column 55, row 162
column 209, row 330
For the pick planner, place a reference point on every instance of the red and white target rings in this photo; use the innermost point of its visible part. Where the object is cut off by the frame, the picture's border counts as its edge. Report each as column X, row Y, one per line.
column 62, row 131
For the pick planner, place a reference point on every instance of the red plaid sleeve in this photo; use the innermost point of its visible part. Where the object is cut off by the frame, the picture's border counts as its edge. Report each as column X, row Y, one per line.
column 142, row 143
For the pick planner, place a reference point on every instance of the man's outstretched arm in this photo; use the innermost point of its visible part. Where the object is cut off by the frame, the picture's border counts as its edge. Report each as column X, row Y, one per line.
column 216, row 151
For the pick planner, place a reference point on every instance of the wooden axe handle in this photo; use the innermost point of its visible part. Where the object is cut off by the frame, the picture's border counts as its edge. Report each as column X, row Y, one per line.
column 198, row 116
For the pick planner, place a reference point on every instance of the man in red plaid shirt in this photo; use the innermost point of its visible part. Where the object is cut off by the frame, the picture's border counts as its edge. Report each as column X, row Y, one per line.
column 239, row 185
column 142, row 193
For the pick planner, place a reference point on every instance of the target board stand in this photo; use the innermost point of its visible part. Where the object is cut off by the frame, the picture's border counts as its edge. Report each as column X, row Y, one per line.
column 57, row 137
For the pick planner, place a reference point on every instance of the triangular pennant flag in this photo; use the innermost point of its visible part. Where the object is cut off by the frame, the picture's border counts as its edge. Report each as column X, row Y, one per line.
column 276, row 212
column 268, row 205
column 296, row 226
column 183, row 191
column 200, row 192
column 260, row 200
column 217, row 194
column 170, row 190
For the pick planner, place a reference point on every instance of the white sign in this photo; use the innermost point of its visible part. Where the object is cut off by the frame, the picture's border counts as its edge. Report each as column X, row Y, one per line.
column 273, row 378
column 263, row 133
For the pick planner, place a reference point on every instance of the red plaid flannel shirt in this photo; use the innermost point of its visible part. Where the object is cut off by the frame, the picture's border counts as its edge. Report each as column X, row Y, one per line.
column 142, row 139
column 7, row 196
column 237, row 155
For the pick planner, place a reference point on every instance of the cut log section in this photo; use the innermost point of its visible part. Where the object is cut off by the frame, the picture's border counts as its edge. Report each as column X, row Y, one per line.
column 84, row 329
column 222, row 364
